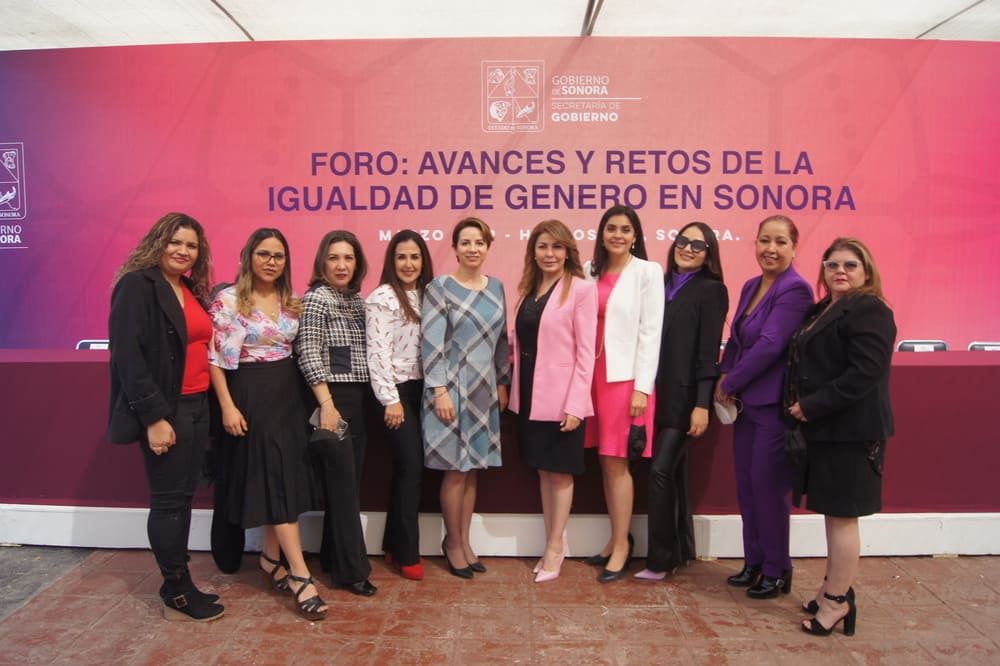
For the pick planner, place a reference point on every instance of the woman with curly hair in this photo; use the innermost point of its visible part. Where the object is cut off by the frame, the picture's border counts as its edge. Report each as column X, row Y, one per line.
column 159, row 335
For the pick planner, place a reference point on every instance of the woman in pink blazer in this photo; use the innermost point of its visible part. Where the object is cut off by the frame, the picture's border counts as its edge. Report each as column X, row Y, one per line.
column 554, row 335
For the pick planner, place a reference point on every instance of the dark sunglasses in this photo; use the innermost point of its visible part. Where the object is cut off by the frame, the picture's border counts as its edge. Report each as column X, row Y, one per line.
column 697, row 246
column 850, row 266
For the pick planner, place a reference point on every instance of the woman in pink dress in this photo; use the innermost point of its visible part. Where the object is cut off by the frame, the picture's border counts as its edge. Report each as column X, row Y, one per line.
column 629, row 322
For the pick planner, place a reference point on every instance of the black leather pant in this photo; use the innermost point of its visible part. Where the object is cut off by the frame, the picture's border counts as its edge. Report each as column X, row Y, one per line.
column 671, row 528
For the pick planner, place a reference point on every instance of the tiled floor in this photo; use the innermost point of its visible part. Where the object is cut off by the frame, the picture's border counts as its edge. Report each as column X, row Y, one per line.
column 104, row 610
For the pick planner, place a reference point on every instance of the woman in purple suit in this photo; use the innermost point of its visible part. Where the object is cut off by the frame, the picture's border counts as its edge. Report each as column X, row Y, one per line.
column 772, row 307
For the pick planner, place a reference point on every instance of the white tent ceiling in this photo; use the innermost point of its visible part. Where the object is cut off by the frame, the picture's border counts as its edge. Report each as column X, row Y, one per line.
column 40, row 24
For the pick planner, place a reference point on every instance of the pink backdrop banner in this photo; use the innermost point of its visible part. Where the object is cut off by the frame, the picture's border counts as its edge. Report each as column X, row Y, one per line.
column 892, row 141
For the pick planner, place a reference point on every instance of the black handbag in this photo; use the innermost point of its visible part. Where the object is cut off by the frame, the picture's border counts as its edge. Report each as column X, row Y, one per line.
column 795, row 447
column 636, row 441
column 796, row 451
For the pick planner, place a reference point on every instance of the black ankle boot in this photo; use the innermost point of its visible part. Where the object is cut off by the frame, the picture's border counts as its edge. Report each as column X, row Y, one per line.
column 183, row 602
column 194, row 591
column 748, row 575
column 769, row 587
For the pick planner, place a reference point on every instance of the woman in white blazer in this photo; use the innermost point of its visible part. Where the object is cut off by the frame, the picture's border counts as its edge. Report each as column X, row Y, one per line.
column 630, row 318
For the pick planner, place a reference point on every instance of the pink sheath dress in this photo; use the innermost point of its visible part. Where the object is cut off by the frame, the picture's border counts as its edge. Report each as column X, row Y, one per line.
column 608, row 428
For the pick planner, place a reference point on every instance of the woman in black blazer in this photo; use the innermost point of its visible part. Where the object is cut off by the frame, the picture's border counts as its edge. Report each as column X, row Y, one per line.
column 837, row 390
column 159, row 334
column 696, row 306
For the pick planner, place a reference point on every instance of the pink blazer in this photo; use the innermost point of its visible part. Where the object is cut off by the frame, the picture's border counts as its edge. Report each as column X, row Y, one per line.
column 564, row 366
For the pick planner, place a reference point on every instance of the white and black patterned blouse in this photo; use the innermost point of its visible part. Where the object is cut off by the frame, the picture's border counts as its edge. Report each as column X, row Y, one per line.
column 331, row 342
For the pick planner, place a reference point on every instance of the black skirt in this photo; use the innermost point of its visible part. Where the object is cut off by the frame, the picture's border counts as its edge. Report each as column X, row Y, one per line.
column 543, row 445
column 844, row 479
column 272, row 480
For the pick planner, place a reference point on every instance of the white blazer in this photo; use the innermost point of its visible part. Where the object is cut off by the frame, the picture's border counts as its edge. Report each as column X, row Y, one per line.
column 633, row 323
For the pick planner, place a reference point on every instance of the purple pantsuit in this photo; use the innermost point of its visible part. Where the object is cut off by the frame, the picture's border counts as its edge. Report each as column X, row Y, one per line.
column 754, row 363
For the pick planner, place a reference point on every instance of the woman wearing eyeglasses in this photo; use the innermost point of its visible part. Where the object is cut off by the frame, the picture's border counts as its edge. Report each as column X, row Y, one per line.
column 262, row 398
column 771, row 308
column 695, row 311
column 837, row 389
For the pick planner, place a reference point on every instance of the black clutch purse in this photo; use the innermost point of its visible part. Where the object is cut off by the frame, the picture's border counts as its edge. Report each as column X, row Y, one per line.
column 636, row 441
column 795, row 447
column 798, row 461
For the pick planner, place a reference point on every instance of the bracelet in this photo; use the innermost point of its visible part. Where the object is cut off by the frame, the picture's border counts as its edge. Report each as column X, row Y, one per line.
column 330, row 399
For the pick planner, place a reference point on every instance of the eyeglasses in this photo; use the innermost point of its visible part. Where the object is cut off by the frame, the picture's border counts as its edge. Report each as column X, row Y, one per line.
column 266, row 257
column 849, row 266
column 697, row 246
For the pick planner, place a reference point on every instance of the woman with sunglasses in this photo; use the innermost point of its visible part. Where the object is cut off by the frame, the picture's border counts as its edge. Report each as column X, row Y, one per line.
column 262, row 398
column 837, row 390
column 771, row 308
column 696, row 306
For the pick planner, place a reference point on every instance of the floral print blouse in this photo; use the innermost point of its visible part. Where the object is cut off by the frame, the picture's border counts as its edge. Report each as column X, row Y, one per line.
column 253, row 338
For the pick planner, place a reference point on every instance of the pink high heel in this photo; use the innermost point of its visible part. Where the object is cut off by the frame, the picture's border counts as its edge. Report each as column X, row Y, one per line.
column 543, row 575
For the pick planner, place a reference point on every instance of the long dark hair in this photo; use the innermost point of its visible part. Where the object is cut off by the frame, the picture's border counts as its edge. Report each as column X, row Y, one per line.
column 713, row 259
column 390, row 277
column 600, row 261
column 319, row 263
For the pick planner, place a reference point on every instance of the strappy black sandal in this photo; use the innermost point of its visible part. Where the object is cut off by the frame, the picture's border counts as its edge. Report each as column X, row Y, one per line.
column 816, row 628
column 308, row 608
column 280, row 584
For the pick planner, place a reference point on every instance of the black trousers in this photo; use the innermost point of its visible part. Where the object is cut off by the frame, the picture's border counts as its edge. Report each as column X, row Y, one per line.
column 339, row 465
column 402, row 533
column 173, row 478
column 671, row 528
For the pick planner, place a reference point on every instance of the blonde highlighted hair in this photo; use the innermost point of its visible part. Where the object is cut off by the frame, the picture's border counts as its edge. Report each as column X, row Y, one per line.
column 531, row 277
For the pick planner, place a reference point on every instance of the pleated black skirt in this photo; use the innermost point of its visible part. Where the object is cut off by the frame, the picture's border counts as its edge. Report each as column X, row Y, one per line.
column 273, row 481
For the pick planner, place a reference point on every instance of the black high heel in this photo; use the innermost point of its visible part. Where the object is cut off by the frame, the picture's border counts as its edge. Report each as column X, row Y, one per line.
column 465, row 572
column 769, row 587
column 850, row 620
column 748, row 576
column 599, row 560
column 608, row 576
column 812, row 607
column 280, row 584
column 308, row 608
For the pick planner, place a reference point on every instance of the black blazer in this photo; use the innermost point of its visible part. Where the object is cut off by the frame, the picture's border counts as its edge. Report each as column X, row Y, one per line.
column 843, row 371
column 147, row 333
column 689, row 350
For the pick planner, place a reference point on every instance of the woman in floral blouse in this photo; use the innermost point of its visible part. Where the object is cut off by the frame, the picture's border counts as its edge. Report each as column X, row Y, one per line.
column 261, row 395
column 393, row 332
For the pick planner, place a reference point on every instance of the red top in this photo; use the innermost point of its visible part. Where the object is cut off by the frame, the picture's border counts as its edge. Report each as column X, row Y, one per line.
column 199, row 334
